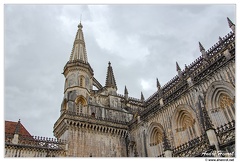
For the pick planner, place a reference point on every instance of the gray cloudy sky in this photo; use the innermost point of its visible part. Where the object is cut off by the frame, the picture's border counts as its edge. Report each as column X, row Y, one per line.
column 141, row 41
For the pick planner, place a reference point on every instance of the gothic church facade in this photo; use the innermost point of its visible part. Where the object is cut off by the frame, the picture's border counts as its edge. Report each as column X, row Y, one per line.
column 191, row 115
column 194, row 112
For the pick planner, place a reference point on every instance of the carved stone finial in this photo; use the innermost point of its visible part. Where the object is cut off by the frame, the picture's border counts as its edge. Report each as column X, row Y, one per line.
column 220, row 39
column 158, row 85
column 201, row 47
column 203, row 51
column 80, row 25
column 179, row 71
column 231, row 25
column 142, row 97
column 125, row 91
column 178, row 67
column 186, row 68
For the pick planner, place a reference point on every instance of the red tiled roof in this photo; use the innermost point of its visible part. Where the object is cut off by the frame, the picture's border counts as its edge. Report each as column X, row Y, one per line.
column 10, row 128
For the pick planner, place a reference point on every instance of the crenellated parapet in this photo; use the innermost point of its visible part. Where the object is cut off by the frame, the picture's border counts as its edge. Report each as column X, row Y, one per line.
column 34, row 146
column 37, row 141
column 120, row 131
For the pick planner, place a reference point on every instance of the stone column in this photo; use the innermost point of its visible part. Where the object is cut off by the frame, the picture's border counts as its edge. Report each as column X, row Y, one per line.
column 166, row 146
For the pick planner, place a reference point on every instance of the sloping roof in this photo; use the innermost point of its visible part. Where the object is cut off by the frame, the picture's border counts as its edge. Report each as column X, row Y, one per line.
column 10, row 128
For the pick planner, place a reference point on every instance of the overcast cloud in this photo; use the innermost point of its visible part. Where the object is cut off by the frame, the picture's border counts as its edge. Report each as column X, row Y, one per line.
column 143, row 42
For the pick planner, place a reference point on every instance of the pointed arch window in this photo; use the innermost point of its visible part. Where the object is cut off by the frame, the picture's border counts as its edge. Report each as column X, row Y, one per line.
column 156, row 141
column 81, row 105
column 220, row 103
column 156, row 137
column 185, row 130
column 79, row 108
column 226, row 104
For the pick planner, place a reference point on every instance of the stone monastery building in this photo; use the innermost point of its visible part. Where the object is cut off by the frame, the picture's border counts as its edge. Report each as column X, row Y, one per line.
column 192, row 114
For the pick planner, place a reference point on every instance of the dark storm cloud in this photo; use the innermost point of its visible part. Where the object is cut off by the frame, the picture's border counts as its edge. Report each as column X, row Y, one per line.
column 141, row 41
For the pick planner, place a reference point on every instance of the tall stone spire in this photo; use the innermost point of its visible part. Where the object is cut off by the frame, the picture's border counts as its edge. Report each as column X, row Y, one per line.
column 79, row 49
column 110, row 80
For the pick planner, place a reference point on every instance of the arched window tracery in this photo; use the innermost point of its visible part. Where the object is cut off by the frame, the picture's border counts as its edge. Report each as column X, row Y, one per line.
column 155, row 140
column 227, row 106
column 220, row 103
column 185, row 125
column 81, row 105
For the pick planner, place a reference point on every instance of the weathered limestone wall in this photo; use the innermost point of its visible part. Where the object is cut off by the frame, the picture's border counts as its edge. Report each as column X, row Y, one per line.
column 166, row 119
column 86, row 143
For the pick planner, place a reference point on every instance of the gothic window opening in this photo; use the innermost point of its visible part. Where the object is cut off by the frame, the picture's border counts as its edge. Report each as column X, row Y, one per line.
column 185, row 130
column 79, row 108
column 156, row 140
column 226, row 104
column 80, row 105
column 220, row 103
